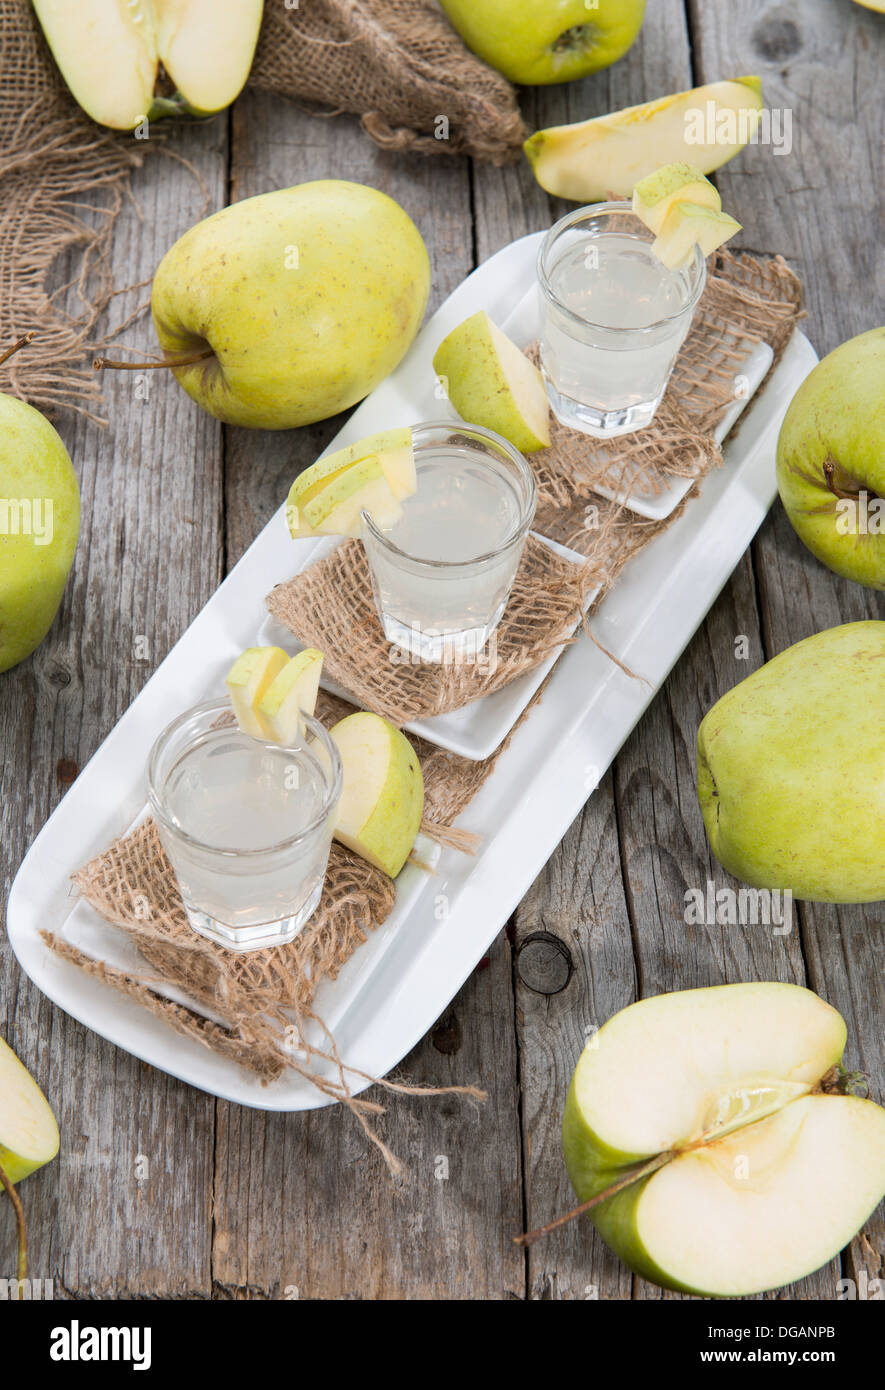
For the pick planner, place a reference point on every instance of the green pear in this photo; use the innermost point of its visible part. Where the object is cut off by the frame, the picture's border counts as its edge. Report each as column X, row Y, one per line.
column 109, row 54
column 382, row 793
column 291, row 694
column 790, row 769
column 39, row 527
column 831, row 460
column 298, row 302
column 491, row 383
column 535, row 42
column 591, row 161
column 738, row 1170
column 28, row 1132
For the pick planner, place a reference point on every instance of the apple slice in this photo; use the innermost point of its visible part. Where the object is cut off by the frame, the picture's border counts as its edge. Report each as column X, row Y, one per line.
column 328, row 498
column 755, row 1176
column 688, row 225
column 382, row 795
column 28, row 1131
column 207, row 48
column 654, row 195
column 607, row 156
column 106, row 53
column 247, row 681
column 291, row 694
column 491, row 383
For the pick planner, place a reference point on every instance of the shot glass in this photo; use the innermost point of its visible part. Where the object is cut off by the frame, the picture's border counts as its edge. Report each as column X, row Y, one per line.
column 247, row 825
column 613, row 319
column 443, row 573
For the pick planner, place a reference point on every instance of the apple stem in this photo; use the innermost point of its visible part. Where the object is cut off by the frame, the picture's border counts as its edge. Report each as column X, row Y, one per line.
column 20, row 1227
column 20, row 343
column 101, row 362
column 830, row 477
column 636, row 1176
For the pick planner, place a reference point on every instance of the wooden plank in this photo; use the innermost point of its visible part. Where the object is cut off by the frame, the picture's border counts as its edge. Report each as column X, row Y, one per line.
column 302, row 1202
column 125, row 1208
column 816, row 206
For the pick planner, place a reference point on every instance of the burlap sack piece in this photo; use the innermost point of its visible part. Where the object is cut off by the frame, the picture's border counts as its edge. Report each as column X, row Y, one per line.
column 400, row 66
column 330, row 606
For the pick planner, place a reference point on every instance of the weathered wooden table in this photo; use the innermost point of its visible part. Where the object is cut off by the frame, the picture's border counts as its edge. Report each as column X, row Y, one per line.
column 160, row 1190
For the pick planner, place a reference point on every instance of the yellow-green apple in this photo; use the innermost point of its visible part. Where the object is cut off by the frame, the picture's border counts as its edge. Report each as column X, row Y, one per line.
column 291, row 694
column 536, row 42
column 831, row 460
column 688, row 225
column 718, row 1110
column 39, row 526
column 28, row 1132
column 790, row 769
column 109, row 54
column 247, row 681
column 607, row 156
column 296, row 303
column 329, row 498
column 491, row 383
column 382, row 794
column 654, row 195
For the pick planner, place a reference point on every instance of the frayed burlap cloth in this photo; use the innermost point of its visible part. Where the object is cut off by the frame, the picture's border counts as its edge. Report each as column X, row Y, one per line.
column 396, row 63
column 334, row 596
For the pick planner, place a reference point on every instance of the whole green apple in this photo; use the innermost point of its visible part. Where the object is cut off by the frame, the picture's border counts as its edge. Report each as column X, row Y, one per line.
column 302, row 301
column 791, row 769
column 39, row 526
column 831, row 460
column 736, row 1169
column 536, row 42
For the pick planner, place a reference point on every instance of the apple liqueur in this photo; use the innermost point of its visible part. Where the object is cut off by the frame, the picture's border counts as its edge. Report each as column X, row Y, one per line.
column 229, row 801
column 455, row 527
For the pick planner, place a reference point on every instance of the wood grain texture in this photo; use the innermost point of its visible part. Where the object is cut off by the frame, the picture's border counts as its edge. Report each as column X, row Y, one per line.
column 126, row 1207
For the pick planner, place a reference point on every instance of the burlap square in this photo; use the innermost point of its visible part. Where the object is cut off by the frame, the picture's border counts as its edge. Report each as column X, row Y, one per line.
column 330, row 606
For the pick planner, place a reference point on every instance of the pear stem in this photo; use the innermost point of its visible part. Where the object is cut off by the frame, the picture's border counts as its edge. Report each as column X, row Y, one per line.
column 20, row 343
column 636, row 1176
column 101, row 362
column 20, row 1227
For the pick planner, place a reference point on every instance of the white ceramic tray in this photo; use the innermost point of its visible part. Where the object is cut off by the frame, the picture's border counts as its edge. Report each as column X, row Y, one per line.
column 398, row 983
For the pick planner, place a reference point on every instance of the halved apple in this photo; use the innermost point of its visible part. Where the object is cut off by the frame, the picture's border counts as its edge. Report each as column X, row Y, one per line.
column 491, row 383
column 291, row 694
column 654, row 195
column 328, row 498
column 688, row 225
column 109, row 52
column 382, row 794
column 607, row 156
column 247, row 682
column 28, row 1131
column 760, row 1176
